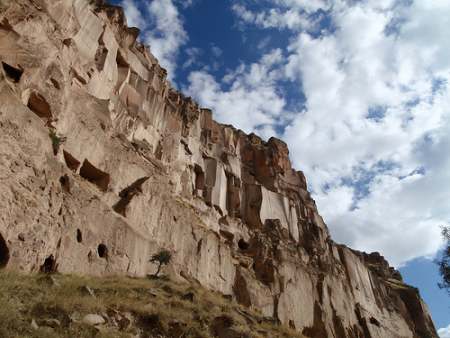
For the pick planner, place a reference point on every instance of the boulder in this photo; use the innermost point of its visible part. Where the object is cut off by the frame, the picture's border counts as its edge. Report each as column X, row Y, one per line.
column 93, row 319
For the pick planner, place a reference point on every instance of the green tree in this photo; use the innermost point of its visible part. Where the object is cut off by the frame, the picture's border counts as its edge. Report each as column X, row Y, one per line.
column 444, row 262
column 161, row 258
column 56, row 140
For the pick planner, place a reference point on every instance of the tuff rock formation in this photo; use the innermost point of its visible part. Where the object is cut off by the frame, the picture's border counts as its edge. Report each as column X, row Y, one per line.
column 103, row 163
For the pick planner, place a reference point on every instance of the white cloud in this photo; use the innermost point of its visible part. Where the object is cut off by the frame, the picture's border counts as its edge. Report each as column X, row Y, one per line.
column 427, row 26
column 168, row 34
column 444, row 332
column 186, row 3
column 264, row 43
column 343, row 76
column 192, row 56
column 134, row 16
column 274, row 18
column 283, row 14
column 162, row 29
column 250, row 88
column 374, row 136
column 216, row 51
column 306, row 5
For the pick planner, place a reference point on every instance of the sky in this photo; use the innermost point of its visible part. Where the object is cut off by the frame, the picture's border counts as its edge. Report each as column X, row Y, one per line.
column 358, row 89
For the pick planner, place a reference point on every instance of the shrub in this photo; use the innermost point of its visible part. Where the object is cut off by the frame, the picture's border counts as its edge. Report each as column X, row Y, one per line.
column 163, row 257
column 56, row 141
column 444, row 262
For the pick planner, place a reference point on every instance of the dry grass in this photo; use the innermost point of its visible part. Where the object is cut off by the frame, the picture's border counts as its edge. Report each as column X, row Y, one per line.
column 156, row 308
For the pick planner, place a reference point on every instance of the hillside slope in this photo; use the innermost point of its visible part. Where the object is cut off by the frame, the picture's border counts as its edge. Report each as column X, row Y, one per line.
column 109, row 307
column 103, row 163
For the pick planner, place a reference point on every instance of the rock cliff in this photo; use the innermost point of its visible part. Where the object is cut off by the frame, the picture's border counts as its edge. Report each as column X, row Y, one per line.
column 103, row 163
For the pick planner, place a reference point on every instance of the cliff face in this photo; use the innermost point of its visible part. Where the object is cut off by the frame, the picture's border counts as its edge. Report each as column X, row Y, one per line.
column 103, row 163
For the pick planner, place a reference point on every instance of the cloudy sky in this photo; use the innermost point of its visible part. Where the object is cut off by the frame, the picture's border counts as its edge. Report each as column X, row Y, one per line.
column 357, row 88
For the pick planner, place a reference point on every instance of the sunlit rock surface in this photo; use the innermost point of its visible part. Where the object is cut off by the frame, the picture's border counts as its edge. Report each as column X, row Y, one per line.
column 103, row 163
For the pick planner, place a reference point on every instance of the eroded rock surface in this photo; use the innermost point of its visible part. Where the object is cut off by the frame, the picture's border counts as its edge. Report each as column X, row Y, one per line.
column 140, row 167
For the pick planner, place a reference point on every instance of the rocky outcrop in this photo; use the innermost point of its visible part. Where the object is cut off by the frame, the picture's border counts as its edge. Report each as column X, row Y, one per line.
column 103, row 163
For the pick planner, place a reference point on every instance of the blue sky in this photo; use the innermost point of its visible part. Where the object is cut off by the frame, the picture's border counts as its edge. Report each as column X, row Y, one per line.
column 423, row 275
column 357, row 88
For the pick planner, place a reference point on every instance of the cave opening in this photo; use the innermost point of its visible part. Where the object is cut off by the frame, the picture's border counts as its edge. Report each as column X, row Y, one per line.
column 39, row 105
column 49, row 265
column 243, row 245
column 79, row 236
column 65, row 183
column 127, row 194
column 95, row 175
column 12, row 72
column 4, row 253
column 71, row 162
column 102, row 251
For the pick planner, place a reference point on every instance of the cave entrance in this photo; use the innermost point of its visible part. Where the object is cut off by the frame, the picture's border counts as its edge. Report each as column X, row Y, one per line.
column 94, row 175
column 39, row 105
column 79, row 236
column 65, row 183
column 243, row 245
column 4, row 253
column 12, row 73
column 102, row 251
column 49, row 265
column 71, row 162
column 127, row 194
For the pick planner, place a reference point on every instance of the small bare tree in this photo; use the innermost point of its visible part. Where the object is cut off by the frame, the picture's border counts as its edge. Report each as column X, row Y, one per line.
column 444, row 262
column 163, row 257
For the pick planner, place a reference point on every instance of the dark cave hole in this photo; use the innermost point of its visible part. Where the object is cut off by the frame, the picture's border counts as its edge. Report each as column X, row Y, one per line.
column 49, row 265
column 39, row 105
column 374, row 321
column 102, row 251
column 65, row 183
column 95, row 176
column 71, row 162
column 79, row 236
column 55, row 83
column 4, row 253
column 243, row 245
column 12, row 72
column 127, row 194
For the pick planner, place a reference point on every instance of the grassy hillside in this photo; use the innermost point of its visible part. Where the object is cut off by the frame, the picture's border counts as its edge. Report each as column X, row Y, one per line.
column 73, row 306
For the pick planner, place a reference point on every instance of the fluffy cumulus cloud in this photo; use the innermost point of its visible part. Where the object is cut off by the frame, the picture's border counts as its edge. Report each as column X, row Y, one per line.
column 168, row 35
column 272, row 19
column 248, row 88
column 162, row 28
column 133, row 14
column 376, row 125
column 295, row 15
column 444, row 332
column 374, row 134
column 372, row 80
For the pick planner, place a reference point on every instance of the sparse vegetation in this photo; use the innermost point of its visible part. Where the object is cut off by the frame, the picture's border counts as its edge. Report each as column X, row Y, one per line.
column 56, row 140
column 444, row 262
column 56, row 305
column 163, row 257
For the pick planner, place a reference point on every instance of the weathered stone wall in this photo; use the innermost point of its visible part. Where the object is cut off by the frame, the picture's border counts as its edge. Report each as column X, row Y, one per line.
column 102, row 163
